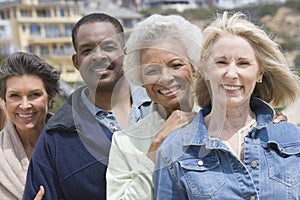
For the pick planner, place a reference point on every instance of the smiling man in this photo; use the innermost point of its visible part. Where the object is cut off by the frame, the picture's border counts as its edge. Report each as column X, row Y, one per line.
column 71, row 156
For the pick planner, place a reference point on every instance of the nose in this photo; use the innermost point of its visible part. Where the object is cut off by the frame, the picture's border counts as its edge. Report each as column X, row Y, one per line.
column 25, row 103
column 231, row 71
column 167, row 76
column 98, row 54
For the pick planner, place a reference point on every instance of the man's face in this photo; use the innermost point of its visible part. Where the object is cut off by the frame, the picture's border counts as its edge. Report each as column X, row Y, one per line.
column 99, row 55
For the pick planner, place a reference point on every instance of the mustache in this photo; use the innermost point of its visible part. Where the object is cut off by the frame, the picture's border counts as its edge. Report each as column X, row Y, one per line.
column 100, row 64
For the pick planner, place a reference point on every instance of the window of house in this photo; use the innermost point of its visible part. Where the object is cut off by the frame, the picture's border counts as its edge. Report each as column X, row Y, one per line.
column 35, row 29
column 43, row 13
column 68, row 49
column 24, row 27
column 68, row 30
column 26, row 13
column 30, row 49
column 62, row 12
column 43, row 50
column 52, row 31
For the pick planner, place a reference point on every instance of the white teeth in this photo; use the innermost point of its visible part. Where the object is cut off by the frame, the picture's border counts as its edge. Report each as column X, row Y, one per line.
column 24, row 116
column 231, row 87
column 100, row 70
column 167, row 91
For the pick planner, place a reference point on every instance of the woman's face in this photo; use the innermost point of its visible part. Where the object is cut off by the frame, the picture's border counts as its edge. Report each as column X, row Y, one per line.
column 27, row 102
column 233, row 71
column 167, row 74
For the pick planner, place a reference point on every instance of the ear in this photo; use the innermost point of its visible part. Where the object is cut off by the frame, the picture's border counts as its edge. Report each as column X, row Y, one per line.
column 75, row 61
column 50, row 103
column 260, row 77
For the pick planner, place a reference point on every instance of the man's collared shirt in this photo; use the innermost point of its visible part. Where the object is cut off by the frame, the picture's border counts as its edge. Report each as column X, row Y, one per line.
column 107, row 118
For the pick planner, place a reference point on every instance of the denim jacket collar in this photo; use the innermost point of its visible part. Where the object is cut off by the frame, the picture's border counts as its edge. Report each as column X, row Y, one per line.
column 196, row 133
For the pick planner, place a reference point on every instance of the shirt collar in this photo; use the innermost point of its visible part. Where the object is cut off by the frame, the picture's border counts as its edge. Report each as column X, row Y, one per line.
column 88, row 103
column 138, row 96
column 196, row 133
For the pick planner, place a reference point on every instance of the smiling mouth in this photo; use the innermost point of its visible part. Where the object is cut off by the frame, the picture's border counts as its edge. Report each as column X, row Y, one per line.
column 231, row 87
column 100, row 70
column 26, row 115
column 169, row 91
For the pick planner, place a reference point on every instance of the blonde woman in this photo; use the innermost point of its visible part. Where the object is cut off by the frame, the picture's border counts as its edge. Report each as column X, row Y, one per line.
column 232, row 149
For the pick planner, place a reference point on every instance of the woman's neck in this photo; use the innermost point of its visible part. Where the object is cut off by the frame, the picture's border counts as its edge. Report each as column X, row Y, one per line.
column 29, row 138
column 225, row 122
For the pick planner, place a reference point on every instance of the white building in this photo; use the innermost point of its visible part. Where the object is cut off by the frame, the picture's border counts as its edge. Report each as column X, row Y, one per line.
column 179, row 5
column 6, row 40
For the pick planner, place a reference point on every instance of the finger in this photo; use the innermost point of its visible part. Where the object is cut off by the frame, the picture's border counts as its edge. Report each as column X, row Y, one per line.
column 40, row 194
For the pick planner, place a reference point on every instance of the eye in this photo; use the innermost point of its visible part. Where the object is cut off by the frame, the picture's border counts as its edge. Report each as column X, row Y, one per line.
column 35, row 95
column 14, row 96
column 109, row 48
column 150, row 72
column 86, row 51
column 244, row 63
column 177, row 65
column 221, row 62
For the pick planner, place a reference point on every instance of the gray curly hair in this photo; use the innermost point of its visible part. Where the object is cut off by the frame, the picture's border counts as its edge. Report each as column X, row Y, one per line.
column 157, row 27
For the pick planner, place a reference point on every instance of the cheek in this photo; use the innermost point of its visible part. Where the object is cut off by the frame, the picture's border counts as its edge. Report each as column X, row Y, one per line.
column 150, row 91
column 11, row 105
column 10, row 109
column 148, row 80
column 189, row 78
column 42, row 103
column 186, row 75
column 213, row 76
column 116, row 57
column 252, row 82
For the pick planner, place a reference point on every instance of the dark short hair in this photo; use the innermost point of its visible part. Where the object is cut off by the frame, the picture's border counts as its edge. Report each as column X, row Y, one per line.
column 93, row 18
column 22, row 63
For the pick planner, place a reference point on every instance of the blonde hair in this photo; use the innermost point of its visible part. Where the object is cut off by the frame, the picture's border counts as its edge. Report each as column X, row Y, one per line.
column 158, row 27
column 280, row 85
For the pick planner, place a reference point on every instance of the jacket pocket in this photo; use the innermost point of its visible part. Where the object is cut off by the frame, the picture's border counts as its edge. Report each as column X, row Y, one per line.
column 203, row 176
column 283, row 163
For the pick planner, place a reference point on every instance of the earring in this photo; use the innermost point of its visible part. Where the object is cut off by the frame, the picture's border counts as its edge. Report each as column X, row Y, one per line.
column 259, row 81
column 206, row 78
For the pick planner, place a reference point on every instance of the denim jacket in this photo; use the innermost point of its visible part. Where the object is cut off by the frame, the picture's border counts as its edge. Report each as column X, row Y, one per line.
column 191, row 165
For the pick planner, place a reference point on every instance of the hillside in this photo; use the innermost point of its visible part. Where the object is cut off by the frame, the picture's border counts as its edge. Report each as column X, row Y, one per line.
column 286, row 25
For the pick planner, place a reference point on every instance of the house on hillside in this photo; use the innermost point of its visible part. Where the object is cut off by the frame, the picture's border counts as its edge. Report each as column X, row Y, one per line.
column 43, row 28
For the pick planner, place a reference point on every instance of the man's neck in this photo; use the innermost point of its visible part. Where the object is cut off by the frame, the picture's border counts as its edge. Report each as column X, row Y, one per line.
column 108, row 99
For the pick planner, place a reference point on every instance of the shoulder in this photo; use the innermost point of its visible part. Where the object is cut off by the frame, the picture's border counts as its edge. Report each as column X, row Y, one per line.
column 133, row 133
column 173, row 147
column 63, row 118
column 139, row 96
column 284, row 131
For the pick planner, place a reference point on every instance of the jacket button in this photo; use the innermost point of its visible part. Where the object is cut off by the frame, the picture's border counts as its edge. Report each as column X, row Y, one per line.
column 254, row 164
column 200, row 162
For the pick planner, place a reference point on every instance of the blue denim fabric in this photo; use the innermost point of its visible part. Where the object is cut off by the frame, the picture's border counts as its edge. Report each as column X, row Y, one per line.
column 190, row 165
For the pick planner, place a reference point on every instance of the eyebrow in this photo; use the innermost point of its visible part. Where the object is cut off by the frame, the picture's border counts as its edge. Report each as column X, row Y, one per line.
column 97, row 43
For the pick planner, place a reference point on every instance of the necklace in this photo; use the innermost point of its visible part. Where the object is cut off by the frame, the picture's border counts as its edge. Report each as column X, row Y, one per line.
column 240, row 134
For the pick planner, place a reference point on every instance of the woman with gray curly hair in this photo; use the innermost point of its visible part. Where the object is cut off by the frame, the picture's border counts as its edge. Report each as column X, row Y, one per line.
column 28, row 86
column 162, row 53
column 233, row 149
